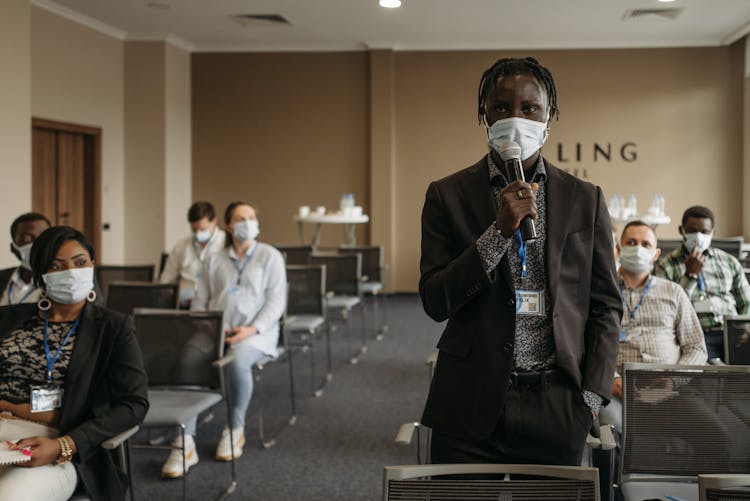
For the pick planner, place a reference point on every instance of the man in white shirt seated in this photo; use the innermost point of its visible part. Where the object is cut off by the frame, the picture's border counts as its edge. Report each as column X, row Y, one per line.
column 17, row 283
column 659, row 324
column 188, row 255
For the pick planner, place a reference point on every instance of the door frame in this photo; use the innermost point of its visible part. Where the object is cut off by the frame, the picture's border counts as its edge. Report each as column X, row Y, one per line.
column 92, row 171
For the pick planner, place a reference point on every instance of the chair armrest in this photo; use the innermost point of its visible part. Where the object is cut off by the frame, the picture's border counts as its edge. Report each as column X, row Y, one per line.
column 606, row 440
column 117, row 440
column 716, row 361
column 223, row 361
column 405, row 432
column 432, row 359
column 288, row 320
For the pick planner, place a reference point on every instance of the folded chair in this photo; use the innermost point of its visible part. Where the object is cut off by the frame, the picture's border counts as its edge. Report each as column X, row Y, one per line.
column 373, row 279
column 106, row 274
column 126, row 296
column 183, row 353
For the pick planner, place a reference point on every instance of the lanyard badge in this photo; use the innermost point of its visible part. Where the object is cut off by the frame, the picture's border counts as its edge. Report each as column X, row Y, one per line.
column 49, row 396
column 528, row 302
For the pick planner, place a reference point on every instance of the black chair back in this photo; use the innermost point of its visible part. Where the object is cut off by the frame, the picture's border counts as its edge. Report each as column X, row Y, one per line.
column 307, row 288
column 126, row 296
column 737, row 340
column 179, row 347
column 296, row 254
column 106, row 274
column 163, row 261
column 343, row 272
column 372, row 260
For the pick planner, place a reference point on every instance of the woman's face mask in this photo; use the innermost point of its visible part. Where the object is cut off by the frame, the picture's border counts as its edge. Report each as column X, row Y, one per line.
column 245, row 230
column 69, row 286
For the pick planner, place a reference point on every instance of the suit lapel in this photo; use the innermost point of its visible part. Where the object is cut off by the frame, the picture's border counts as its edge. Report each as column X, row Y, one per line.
column 85, row 347
column 560, row 194
column 476, row 193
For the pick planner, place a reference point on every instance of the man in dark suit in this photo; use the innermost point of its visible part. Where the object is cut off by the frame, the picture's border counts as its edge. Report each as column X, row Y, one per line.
column 16, row 283
column 527, row 356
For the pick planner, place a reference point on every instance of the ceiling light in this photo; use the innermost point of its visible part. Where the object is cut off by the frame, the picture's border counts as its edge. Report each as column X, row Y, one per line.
column 390, row 4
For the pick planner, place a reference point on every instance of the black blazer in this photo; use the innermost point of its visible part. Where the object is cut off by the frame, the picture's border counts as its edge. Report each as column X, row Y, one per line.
column 476, row 348
column 105, row 391
column 5, row 278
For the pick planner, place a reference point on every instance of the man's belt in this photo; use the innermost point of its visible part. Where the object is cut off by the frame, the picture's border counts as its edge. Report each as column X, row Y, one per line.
column 532, row 378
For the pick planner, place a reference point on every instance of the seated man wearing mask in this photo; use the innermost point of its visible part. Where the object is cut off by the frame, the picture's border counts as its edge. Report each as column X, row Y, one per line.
column 714, row 280
column 659, row 324
column 17, row 283
column 187, row 257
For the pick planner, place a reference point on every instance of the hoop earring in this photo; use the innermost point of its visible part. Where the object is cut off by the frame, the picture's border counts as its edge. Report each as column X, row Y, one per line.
column 91, row 296
column 44, row 304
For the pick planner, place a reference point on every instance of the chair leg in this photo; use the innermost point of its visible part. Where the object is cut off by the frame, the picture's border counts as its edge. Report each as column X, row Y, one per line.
column 230, row 421
column 128, row 466
column 292, row 396
column 184, row 464
column 384, row 328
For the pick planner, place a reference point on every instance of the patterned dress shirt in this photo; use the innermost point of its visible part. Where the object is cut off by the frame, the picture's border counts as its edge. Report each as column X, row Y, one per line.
column 534, row 347
column 723, row 284
column 659, row 326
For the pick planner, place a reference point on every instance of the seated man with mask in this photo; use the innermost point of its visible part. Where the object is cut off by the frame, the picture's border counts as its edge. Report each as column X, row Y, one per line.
column 17, row 283
column 188, row 255
column 659, row 324
column 713, row 279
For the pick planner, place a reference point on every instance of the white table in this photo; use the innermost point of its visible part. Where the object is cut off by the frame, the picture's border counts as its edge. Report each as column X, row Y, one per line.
column 349, row 222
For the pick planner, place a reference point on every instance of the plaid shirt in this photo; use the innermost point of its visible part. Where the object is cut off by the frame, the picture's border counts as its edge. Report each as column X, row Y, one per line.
column 664, row 329
column 725, row 285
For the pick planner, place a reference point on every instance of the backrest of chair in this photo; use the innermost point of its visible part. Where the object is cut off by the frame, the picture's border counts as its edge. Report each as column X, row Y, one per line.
column 307, row 289
column 342, row 272
column 296, row 254
column 179, row 347
column 731, row 245
column 163, row 261
column 489, row 482
column 724, row 487
column 372, row 260
column 126, row 296
column 737, row 340
column 685, row 420
column 106, row 274
column 667, row 245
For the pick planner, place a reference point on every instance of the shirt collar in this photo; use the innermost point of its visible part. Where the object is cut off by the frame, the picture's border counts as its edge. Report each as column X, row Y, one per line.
column 540, row 171
column 17, row 281
column 233, row 255
column 623, row 285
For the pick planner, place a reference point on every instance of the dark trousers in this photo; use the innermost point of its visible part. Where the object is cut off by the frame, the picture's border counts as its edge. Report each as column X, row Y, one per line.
column 539, row 424
column 715, row 344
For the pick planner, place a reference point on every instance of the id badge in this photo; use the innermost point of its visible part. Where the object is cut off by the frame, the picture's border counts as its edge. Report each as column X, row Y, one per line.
column 47, row 397
column 529, row 303
column 623, row 335
column 703, row 306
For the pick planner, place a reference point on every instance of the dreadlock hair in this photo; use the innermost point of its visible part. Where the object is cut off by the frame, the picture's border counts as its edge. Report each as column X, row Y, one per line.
column 517, row 66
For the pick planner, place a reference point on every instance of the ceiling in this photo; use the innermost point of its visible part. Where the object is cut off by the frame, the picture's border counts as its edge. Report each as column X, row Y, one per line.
column 322, row 25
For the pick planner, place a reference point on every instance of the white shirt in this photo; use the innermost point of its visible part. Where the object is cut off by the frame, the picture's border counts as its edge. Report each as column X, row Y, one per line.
column 186, row 260
column 251, row 291
column 17, row 291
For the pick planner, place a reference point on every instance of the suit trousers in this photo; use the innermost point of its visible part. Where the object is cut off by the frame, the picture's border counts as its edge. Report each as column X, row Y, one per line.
column 539, row 424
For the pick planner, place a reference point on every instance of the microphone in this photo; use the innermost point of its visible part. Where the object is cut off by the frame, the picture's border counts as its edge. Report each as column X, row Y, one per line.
column 510, row 153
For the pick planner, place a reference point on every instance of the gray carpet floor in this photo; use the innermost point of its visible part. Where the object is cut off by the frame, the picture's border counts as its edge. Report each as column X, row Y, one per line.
column 341, row 440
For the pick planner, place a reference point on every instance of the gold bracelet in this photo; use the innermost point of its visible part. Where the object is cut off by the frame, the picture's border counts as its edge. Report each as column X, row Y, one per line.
column 66, row 452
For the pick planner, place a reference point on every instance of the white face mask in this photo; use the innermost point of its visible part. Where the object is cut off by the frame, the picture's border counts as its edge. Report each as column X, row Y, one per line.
column 699, row 241
column 69, row 286
column 637, row 259
column 25, row 252
column 202, row 236
column 530, row 135
column 245, row 230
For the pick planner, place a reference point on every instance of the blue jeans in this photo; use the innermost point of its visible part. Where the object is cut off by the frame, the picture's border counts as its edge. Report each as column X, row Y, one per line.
column 240, row 379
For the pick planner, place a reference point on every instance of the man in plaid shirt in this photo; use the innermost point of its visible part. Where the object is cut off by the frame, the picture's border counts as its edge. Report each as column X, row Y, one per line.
column 713, row 280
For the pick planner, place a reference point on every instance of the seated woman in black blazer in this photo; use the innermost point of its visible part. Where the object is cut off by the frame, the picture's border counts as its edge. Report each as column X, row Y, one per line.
column 71, row 376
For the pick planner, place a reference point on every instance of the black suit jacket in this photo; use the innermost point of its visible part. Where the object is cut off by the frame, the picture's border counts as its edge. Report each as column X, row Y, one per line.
column 476, row 347
column 105, row 390
column 5, row 278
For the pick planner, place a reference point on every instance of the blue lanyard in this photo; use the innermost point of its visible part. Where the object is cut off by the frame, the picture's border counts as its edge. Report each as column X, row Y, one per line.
column 24, row 298
column 245, row 262
column 51, row 360
column 701, row 282
column 632, row 312
column 521, row 253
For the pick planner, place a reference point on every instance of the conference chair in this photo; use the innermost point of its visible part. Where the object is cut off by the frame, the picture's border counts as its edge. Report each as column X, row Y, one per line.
column 296, row 254
column 306, row 316
column 490, row 482
column 737, row 340
column 373, row 278
column 343, row 276
column 263, row 397
column 163, row 261
column 106, row 274
column 679, row 422
column 126, row 296
column 724, row 487
column 183, row 353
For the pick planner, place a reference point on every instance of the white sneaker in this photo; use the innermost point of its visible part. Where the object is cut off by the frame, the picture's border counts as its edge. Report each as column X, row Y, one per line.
column 172, row 467
column 223, row 450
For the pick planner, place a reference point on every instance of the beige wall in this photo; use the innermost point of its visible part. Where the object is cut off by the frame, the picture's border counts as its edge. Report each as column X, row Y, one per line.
column 266, row 126
column 281, row 130
column 746, row 146
column 77, row 77
column 15, row 124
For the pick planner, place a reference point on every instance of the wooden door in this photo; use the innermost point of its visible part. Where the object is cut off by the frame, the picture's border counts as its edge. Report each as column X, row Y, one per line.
column 65, row 176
